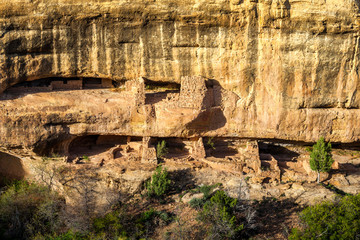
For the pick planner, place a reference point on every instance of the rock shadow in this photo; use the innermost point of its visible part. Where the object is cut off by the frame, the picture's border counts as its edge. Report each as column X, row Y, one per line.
column 279, row 152
column 211, row 116
column 272, row 212
column 347, row 169
column 211, row 119
column 287, row 5
column 55, row 84
column 184, row 180
column 334, row 189
column 11, row 168
column 155, row 97
column 357, row 2
column 219, row 147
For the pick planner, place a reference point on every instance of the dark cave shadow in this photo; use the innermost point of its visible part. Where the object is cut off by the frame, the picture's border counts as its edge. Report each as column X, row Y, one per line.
column 89, row 151
column 18, row 95
column 219, row 147
column 88, row 145
column 287, row 5
column 347, row 168
column 280, row 153
column 155, row 97
column 357, row 4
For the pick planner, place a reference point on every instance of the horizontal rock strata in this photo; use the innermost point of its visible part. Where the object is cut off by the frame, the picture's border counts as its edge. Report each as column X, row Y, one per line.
column 281, row 69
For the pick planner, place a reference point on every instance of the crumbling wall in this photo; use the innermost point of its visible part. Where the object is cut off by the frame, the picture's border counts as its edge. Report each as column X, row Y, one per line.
column 198, row 149
column 252, row 48
column 136, row 88
column 148, row 151
column 194, row 94
column 106, row 83
column 111, row 139
column 23, row 89
column 69, row 85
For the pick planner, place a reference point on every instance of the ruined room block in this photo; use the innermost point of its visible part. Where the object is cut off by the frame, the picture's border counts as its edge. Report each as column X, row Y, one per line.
column 253, row 156
column 271, row 168
column 67, row 84
column 136, row 87
column 106, row 83
column 198, row 149
column 114, row 152
column 252, row 147
column 149, row 155
column 194, row 94
column 148, row 151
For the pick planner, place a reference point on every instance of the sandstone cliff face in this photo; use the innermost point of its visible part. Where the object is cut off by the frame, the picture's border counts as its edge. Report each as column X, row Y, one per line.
column 292, row 66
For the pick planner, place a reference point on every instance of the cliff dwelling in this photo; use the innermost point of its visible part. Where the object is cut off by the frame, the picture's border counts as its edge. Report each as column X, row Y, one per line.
column 59, row 83
column 155, row 111
column 226, row 91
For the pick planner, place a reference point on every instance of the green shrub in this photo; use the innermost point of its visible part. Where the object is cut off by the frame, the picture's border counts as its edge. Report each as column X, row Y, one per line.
column 161, row 149
column 320, row 157
column 149, row 215
column 210, row 143
column 110, row 226
column 207, row 189
column 28, row 210
column 149, row 220
column 197, row 203
column 219, row 214
column 338, row 220
column 69, row 235
column 159, row 183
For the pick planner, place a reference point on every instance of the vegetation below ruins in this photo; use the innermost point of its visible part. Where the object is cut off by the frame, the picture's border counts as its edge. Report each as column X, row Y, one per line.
column 331, row 220
column 33, row 211
column 159, row 183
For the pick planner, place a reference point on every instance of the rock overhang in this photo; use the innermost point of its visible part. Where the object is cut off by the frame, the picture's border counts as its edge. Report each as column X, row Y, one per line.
column 287, row 70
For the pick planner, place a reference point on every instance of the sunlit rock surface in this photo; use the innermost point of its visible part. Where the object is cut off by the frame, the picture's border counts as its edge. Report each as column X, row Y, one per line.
column 282, row 69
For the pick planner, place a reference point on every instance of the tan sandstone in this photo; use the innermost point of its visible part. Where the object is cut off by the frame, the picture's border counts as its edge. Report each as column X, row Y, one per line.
column 280, row 69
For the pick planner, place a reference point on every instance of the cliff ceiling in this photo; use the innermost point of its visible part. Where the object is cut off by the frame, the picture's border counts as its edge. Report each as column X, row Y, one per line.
column 284, row 69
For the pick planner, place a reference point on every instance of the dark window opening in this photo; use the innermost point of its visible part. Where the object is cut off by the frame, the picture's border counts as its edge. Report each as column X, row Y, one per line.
column 220, row 147
column 93, row 145
column 60, row 83
column 177, row 147
column 136, row 139
column 158, row 91
column 161, row 86
column 282, row 152
column 92, row 81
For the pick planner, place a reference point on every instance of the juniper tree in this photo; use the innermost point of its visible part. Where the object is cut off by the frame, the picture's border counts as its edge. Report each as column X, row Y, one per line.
column 161, row 149
column 321, row 158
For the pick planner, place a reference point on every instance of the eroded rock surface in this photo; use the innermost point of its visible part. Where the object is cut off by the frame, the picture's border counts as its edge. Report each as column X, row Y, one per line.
column 284, row 69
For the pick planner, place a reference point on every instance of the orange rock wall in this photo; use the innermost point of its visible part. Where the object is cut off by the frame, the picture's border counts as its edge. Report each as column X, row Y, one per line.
column 287, row 69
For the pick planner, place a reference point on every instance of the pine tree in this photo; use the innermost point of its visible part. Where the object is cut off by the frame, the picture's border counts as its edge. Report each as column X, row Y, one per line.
column 321, row 158
column 161, row 149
